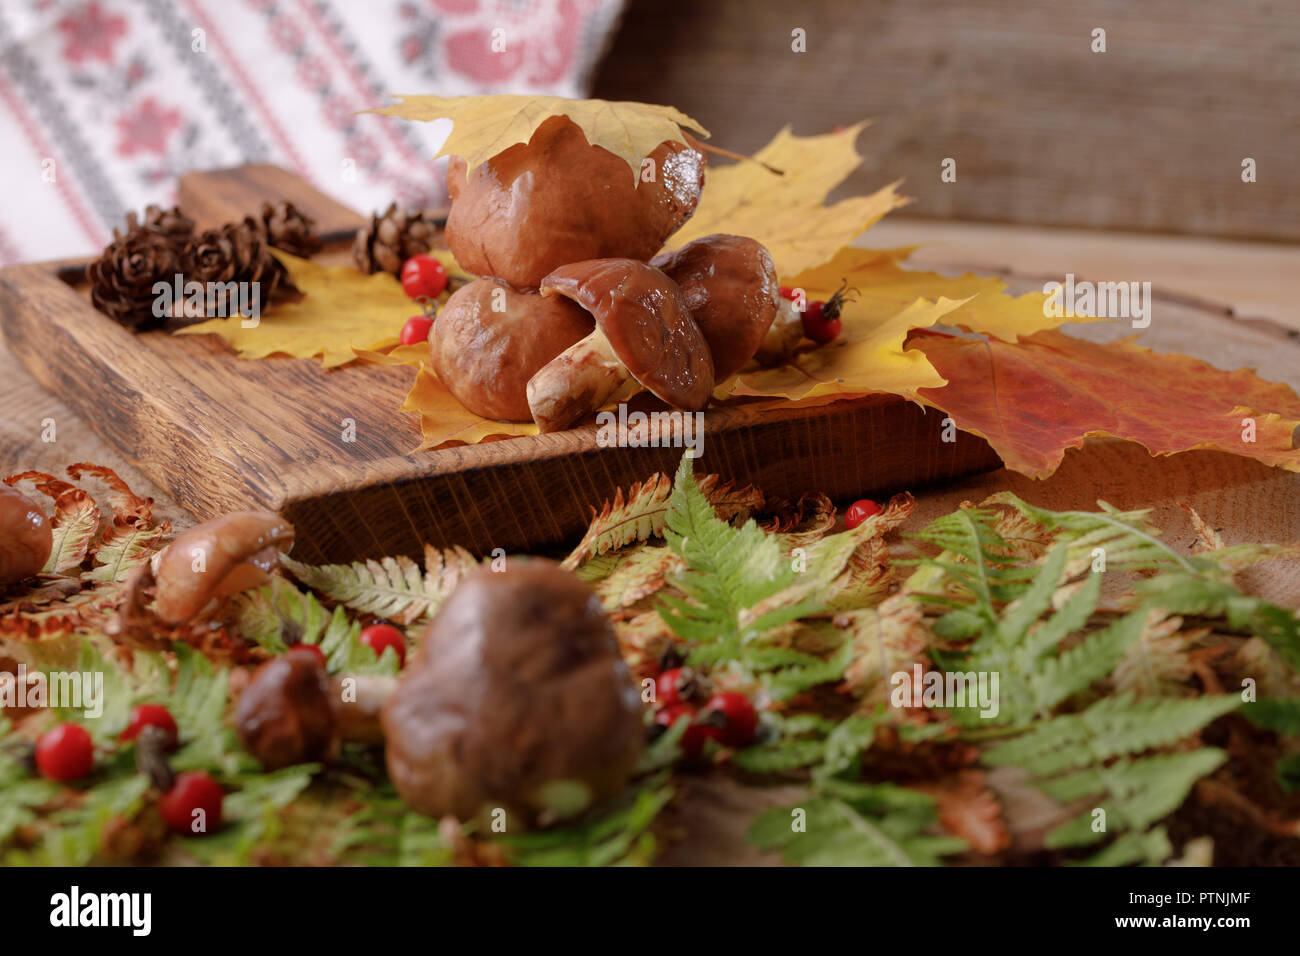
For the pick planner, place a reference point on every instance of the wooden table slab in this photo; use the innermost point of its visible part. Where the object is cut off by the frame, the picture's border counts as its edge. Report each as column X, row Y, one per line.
column 219, row 433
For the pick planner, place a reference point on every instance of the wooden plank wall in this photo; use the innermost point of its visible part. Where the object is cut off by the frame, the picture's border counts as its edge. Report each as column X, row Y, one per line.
column 1149, row 135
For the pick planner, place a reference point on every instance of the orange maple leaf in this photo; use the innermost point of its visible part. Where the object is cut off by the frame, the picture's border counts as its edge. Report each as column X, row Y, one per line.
column 1033, row 399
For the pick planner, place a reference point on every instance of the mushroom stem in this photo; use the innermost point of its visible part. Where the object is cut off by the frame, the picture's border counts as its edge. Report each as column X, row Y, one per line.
column 358, row 700
column 782, row 337
column 575, row 383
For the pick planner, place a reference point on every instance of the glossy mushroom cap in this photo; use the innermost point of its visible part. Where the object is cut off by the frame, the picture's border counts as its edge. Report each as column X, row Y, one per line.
column 647, row 322
column 25, row 536
column 729, row 284
column 486, row 357
column 519, row 690
column 557, row 199
column 221, row 556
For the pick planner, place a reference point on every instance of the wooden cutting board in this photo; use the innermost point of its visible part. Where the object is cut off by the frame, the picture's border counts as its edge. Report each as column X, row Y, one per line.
column 221, row 433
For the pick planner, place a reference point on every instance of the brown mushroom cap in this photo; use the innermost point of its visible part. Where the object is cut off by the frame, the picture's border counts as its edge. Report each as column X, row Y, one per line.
column 486, row 357
column 557, row 199
column 25, row 536
column 519, row 684
column 286, row 714
column 234, row 543
column 648, row 325
column 729, row 284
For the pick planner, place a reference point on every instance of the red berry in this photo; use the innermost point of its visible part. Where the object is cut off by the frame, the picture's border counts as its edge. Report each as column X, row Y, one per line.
column 192, row 790
column 416, row 330
column 859, row 512
column 787, row 292
column 692, row 742
column 423, row 277
column 152, row 715
column 667, row 692
column 679, row 685
column 312, row 651
column 817, row 326
column 381, row 636
column 736, row 714
column 65, row 753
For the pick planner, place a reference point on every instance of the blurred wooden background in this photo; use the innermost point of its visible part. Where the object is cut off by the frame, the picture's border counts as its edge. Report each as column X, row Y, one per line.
column 1149, row 135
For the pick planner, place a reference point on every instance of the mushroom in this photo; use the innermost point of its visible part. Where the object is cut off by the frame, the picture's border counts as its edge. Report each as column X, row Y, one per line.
column 25, row 536
column 729, row 284
column 489, row 340
column 227, row 554
column 519, row 695
column 293, row 712
column 643, row 329
column 557, row 199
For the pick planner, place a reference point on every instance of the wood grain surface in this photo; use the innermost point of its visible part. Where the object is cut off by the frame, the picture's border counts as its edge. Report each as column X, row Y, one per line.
column 1149, row 135
column 220, row 433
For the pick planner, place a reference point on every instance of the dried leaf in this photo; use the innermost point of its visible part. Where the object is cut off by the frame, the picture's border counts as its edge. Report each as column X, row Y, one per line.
column 341, row 309
column 887, row 639
column 75, row 522
column 968, row 808
column 785, row 212
column 639, row 517
column 1034, row 399
column 1158, row 662
column 636, row 575
column 483, row 126
column 444, row 420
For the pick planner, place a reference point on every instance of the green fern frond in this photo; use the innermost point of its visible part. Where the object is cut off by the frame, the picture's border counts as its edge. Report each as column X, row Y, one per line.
column 393, row 588
column 278, row 615
column 833, row 831
column 728, row 572
column 1133, row 793
column 1112, row 727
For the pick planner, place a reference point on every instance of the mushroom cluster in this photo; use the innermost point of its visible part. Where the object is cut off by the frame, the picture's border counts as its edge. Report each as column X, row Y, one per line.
column 519, row 699
column 570, row 307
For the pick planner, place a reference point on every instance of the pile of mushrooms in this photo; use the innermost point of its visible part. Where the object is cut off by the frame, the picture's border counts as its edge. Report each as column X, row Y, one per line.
column 518, row 700
column 570, row 307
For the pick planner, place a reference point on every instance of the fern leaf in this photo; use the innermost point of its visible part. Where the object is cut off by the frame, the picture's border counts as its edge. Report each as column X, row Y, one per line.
column 620, row 522
column 835, row 833
column 393, row 587
column 728, row 573
column 1280, row 715
column 1112, row 727
column 1137, row 793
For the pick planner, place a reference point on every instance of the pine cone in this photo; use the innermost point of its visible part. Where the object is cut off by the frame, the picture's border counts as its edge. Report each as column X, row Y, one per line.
column 237, row 252
column 289, row 229
column 172, row 223
column 123, row 277
column 391, row 239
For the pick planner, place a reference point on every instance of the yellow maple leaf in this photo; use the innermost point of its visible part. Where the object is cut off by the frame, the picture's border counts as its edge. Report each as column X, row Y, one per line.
column 444, row 419
column 786, row 212
column 880, row 281
column 483, row 126
column 887, row 302
column 341, row 309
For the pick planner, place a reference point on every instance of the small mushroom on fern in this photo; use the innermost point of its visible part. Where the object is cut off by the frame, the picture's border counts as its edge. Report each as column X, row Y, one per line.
column 223, row 556
column 25, row 536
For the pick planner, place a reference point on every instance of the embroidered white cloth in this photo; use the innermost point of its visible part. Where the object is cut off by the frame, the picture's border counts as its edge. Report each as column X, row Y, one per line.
column 103, row 103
